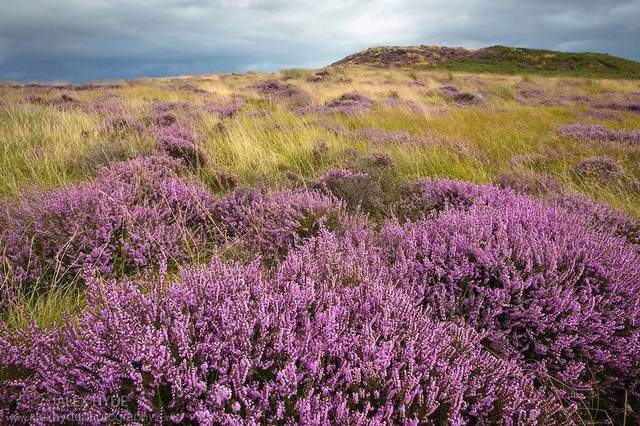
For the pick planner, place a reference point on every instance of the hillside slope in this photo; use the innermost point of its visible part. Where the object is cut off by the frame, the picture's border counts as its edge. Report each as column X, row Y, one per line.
column 497, row 59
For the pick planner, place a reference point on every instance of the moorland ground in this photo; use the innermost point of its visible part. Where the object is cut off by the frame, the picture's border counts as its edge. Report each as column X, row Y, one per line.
column 139, row 178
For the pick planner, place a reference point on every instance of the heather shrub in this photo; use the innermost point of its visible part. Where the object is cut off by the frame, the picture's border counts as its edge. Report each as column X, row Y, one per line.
column 540, row 285
column 134, row 215
column 596, row 114
column 224, row 345
column 600, row 216
column 188, row 87
column 600, row 168
column 319, row 151
column 531, row 183
column 164, row 119
column 358, row 190
column 281, row 91
column 226, row 109
column 350, row 103
column 165, row 107
column 269, row 224
column 180, row 143
column 378, row 160
column 622, row 106
column 121, row 126
column 428, row 198
column 333, row 127
column 600, row 134
column 460, row 97
column 224, row 181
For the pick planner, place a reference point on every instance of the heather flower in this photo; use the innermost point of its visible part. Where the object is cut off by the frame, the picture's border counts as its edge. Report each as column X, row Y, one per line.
column 629, row 106
column 224, row 181
column 539, row 284
column 530, row 93
column 601, row 216
column 121, row 125
column 600, row 168
column 319, row 151
column 35, row 100
column 281, row 91
column 394, row 101
column 334, row 127
column 224, row 109
column 603, row 115
column 165, row 107
column 350, row 103
column 136, row 214
column 358, row 190
column 531, row 183
column 428, row 198
column 460, row 97
column 188, row 87
column 163, row 119
column 181, row 144
column 270, row 224
column 378, row 159
column 600, row 134
column 225, row 345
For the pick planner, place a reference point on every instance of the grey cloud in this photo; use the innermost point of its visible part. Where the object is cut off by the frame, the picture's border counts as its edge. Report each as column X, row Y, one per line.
column 78, row 40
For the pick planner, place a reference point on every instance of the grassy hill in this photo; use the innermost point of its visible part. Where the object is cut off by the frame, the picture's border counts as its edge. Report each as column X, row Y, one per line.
column 499, row 60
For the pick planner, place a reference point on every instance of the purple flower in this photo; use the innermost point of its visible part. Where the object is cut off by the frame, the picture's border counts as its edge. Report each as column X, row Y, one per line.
column 181, row 144
column 228, row 345
column 600, row 134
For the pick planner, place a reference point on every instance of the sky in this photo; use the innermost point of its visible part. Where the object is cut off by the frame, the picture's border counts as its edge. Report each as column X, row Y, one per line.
column 85, row 40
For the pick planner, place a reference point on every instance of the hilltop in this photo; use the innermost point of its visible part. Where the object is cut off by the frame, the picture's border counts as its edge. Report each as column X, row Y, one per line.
column 497, row 59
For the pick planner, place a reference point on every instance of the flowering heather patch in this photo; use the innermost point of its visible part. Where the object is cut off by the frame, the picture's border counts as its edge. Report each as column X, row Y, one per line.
column 600, row 168
column 269, row 224
column 165, row 107
column 596, row 114
column 394, row 101
column 347, row 104
column 136, row 214
column 530, row 94
column 333, row 126
column 180, row 143
column 281, row 91
column 224, row 109
column 358, row 190
column 319, row 151
column 121, row 126
column 378, row 159
column 35, row 100
column 224, row 181
column 428, row 198
column 600, row 134
column 188, row 87
column 465, row 98
column 539, row 285
column 626, row 106
column 224, row 345
column 165, row 119
column 601, row 216
column 350, row 103
column 531, row 183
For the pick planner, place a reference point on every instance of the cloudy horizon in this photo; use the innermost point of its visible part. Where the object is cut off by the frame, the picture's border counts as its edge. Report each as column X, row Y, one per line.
column 76, row 41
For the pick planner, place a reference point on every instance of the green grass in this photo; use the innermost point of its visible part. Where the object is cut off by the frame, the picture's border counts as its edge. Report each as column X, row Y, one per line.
column 510, row 60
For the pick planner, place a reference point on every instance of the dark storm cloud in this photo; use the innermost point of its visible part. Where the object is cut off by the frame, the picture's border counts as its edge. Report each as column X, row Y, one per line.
column 81, row 40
